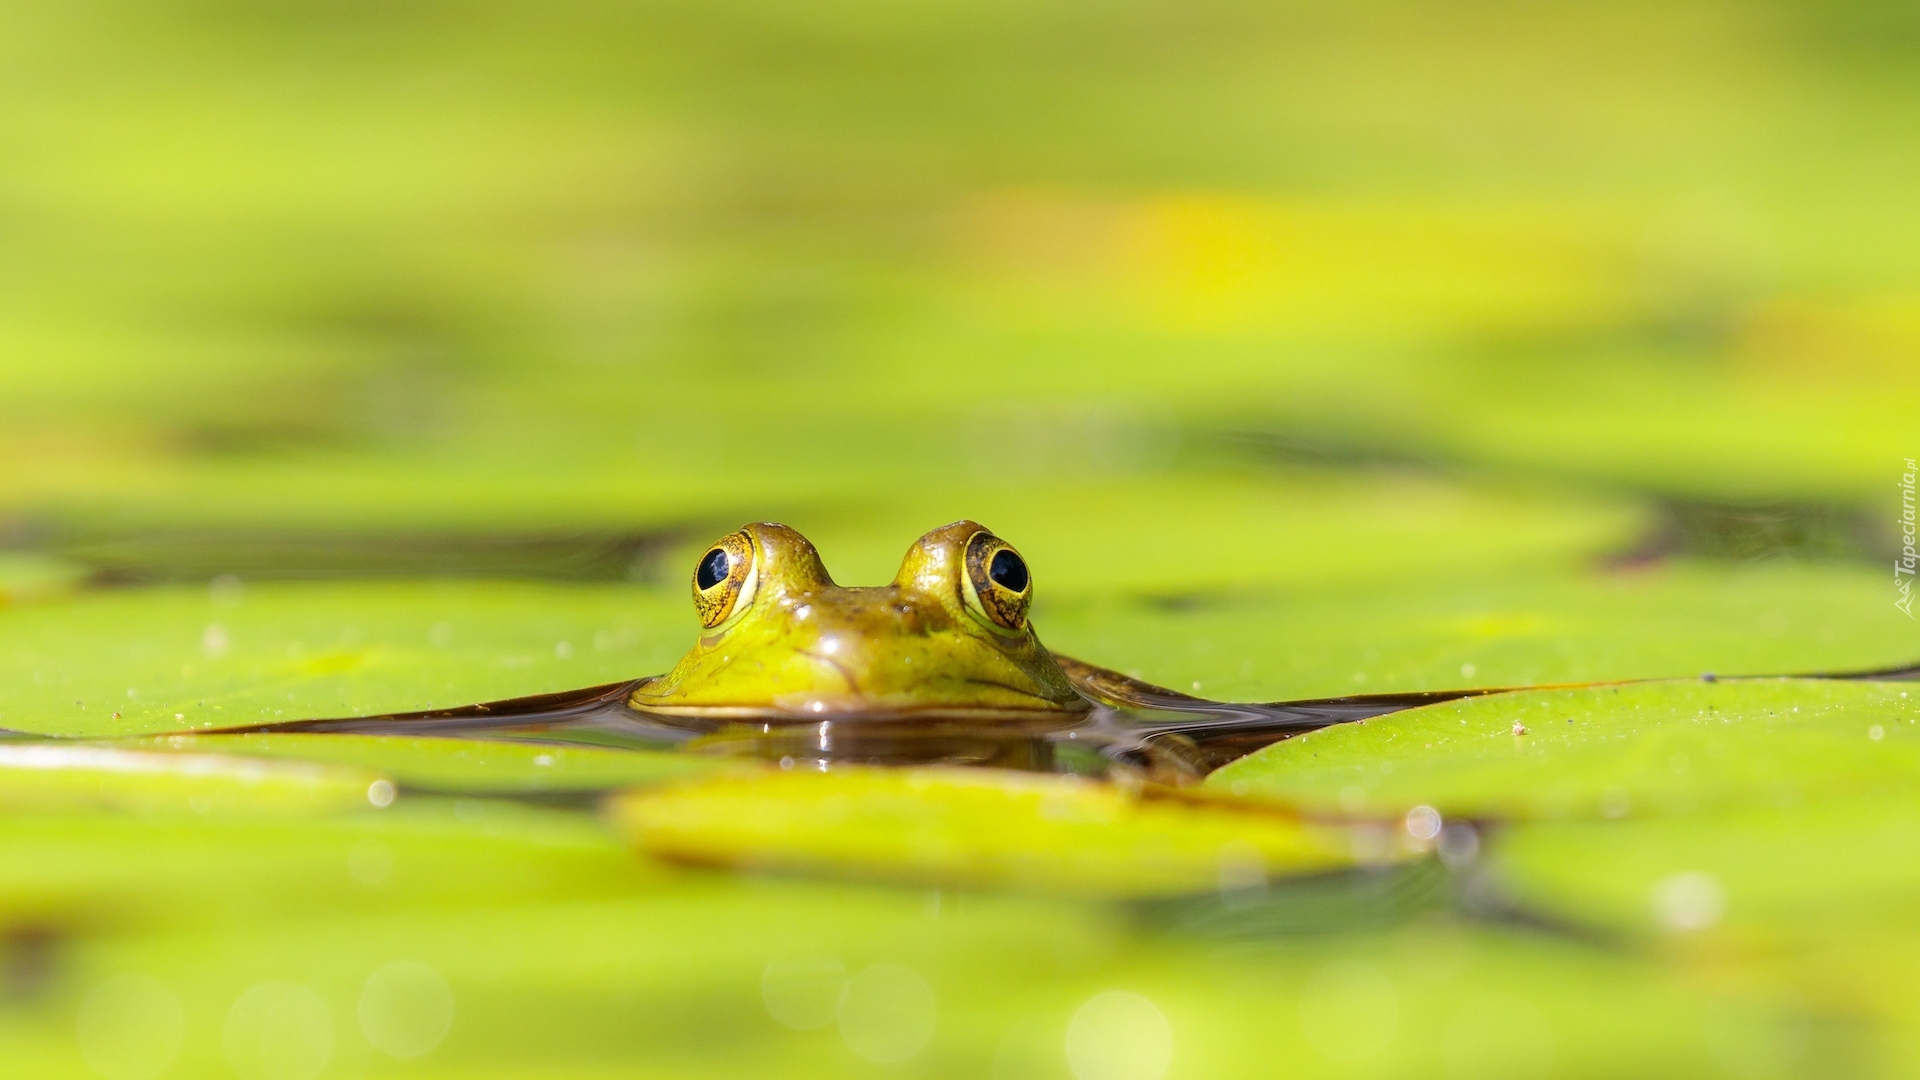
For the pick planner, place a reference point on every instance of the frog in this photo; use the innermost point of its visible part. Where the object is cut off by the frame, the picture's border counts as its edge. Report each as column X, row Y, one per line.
column 950, row 638
column 943, row 664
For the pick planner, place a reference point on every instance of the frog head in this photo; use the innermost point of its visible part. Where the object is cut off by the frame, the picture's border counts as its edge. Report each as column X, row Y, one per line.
column 949, row 638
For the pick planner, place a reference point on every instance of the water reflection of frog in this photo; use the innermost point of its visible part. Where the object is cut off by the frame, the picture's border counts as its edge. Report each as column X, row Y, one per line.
column 948, row 638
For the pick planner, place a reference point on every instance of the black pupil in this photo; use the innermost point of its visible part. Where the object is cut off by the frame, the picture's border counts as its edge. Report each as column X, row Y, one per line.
column 715, row 567
column 1008, row 571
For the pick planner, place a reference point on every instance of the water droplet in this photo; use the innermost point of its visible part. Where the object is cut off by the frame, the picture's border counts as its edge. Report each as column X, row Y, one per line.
column 226, row 590
column 279, row 1031
column 1687, row 902
column 1615, row 802
column 405, row 1009
column 130, row 1027
column 888, row 1014
column 803, row 992
column 1119, row 1035
column 380, row 793
column 1423, row 823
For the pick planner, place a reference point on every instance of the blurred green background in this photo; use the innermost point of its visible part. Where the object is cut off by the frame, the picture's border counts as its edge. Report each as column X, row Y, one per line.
column 359, row 357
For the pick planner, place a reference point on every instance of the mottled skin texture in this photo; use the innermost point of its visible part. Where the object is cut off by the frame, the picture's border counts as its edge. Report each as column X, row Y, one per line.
column 797, row 646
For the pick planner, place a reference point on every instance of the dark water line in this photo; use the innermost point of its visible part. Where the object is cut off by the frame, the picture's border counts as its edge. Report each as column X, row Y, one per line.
column 1906, row 673
column 1131, row 725
column 535, row 709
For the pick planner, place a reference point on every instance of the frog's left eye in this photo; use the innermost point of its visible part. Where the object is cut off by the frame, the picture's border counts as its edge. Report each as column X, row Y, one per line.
column 723, row 582
column 998, row 585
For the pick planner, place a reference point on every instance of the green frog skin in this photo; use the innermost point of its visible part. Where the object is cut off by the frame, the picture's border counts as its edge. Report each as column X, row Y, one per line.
column 949, row 638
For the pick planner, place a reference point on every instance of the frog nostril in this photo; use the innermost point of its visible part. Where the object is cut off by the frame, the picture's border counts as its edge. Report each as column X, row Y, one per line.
column 713, row 569
column 1008, row 570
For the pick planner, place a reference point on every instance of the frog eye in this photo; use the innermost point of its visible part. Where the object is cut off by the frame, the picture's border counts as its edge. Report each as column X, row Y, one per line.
column 723, row 582
column 998, row 585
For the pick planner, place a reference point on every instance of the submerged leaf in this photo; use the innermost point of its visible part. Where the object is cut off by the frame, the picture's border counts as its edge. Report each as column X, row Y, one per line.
column 989, row 827
column 1603, row 751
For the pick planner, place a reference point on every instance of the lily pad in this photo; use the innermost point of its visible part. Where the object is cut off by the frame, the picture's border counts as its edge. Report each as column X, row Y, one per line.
column 1814, row 900
column 1304, row 351
column 1603, row 751
column 152, row 660
column 64, row 776
column 987, row 827
column 79, row 870
column 28, row 579
column 171, row 659
column 702, row 974
column 1698, row 876
column 1518, row 629
column 466, row 766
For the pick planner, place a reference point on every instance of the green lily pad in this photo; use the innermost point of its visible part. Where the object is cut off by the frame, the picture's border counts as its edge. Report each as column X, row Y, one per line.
column 26, row 579
column 1706, row 874
column 169, row 659
column 1304, row 351
column 1813, row 899
column 467, row 766
column 64, row 776
column 1640, row 749
column 1517, row 629
column 702, row 974
column 152, row 660
column 987, row 827
column 83, row 870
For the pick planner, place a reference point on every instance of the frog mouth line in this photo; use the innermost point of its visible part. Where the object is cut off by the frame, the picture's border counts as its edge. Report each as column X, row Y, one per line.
column 1048, row 715
column 851, row 708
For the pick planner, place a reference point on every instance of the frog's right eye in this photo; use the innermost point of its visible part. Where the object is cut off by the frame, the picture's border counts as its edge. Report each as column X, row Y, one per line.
column 723, row 582
column 997, row 584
